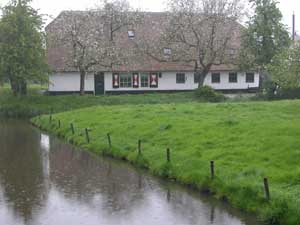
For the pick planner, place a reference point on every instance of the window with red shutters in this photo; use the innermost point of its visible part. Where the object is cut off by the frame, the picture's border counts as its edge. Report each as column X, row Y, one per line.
column 153, row 80
column 116, row 83
column 135, row 78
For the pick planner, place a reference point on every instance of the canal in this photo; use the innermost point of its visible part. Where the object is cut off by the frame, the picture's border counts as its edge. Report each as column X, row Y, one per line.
column 44, row 181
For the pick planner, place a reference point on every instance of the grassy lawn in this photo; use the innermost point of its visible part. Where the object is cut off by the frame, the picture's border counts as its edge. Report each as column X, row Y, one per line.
column 247, row 141
column 35, row 103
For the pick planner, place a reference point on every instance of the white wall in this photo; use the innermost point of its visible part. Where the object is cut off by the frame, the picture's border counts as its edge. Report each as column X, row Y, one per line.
column 70, row 82
column 168, row 82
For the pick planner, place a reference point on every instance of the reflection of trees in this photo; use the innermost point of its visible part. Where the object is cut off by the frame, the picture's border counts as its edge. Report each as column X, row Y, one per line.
column 21, row 173
column 79, row 175
column 109, row 185
column 198, row 209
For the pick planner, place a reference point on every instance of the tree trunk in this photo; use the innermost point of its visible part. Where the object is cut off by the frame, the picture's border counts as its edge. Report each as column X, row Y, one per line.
column 14, row 86
column 23, row 87
column 202, row 76
column 82, row 82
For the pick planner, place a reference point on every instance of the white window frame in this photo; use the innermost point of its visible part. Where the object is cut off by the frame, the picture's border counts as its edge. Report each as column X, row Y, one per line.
column 125, row 80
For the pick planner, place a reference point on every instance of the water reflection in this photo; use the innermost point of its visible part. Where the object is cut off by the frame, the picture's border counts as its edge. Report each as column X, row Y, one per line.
column 43, row 181
column 21, row 176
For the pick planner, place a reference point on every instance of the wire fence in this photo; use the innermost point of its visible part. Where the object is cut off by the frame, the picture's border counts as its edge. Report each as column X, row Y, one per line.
column 86, row 134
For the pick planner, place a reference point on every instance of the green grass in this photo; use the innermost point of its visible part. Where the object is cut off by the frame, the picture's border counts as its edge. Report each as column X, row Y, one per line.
column 35, row 103
column 247, row 141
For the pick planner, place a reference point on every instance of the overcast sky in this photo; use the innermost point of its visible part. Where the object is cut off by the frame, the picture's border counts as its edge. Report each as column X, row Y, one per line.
column 54, row 7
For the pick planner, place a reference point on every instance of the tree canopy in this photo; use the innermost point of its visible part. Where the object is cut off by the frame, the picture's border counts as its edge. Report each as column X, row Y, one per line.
column 264, row 36
column 90, row 37
column 200, row 33
column 285, row 67
column 22, row 46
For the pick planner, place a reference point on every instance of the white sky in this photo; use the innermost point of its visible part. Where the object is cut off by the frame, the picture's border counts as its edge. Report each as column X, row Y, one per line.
column 54, row 7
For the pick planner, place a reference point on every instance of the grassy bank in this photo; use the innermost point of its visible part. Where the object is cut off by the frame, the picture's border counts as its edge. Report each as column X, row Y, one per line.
column 247, row 141
column 36, row 103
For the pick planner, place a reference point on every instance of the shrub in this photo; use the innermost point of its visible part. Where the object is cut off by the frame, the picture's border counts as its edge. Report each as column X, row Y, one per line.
column 271, row 93
column 207, row 93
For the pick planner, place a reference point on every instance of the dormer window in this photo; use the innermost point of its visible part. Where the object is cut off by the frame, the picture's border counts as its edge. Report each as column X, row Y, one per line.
column 131, row 34
column 167, row 51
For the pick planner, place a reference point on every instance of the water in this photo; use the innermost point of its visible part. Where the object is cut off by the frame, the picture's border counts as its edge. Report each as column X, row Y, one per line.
column 44, row 181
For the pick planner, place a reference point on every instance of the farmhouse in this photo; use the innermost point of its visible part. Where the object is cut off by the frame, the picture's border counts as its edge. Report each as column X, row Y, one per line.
column 141, row 73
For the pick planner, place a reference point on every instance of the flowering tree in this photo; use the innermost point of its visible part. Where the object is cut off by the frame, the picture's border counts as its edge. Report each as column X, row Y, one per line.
column 198, row 33
column 89, row 37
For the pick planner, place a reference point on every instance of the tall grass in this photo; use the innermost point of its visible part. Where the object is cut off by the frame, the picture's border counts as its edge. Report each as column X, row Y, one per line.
column 35, row 103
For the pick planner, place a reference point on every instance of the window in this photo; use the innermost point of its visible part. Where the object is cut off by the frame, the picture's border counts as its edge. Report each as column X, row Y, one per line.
column 232, row 77
column 215, row 78
column 180, row 78
column 125, row 80
column 167, row 51
column 131, row 34
column 249, row 77
column 144, row 80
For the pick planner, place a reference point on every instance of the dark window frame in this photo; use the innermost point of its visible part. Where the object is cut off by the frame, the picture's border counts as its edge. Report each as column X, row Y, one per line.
column 215, row 78
column 232, row 77
column 250, row 78
column 180, row 78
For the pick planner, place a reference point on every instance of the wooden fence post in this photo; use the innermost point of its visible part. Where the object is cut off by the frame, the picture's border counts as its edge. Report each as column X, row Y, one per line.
column 139, row 147
column 212, row 169
column 87, row 135
column 72, row 128
column 109, row 140
column 267, row 191
column 168, row 155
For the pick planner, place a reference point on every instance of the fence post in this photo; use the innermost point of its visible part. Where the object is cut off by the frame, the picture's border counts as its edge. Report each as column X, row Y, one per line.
column 267, row 191
column 109, row 140
column 212, row 169
column 168, row 155
column 139, row 147
column 72, row 128
column 87, row 135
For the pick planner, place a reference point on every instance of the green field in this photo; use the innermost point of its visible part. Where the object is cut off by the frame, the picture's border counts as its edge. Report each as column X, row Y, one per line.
column 35, row 103
column 247, row 141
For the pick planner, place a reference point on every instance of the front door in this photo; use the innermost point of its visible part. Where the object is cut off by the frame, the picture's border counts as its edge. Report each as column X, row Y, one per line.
column 99, row 83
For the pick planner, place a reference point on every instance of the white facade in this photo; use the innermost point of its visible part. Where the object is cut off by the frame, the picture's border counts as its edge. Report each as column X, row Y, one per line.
column 70, row 82
column 167, row 82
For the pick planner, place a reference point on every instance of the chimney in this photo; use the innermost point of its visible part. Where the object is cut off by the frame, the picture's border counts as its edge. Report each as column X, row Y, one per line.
column 294, row 32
